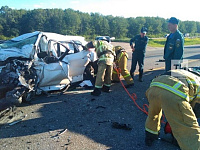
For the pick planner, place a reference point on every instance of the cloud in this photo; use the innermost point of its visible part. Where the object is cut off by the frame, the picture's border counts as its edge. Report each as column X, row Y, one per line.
column 37, row 6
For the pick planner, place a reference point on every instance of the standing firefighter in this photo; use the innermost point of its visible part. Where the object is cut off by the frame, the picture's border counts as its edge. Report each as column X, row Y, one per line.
column 121, row 63
column 138, row 49
column 177, row 93
column 106, row 55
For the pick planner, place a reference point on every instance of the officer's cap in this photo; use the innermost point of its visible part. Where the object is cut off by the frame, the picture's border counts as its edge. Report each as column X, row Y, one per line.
column 144, row 30
column 173, row 20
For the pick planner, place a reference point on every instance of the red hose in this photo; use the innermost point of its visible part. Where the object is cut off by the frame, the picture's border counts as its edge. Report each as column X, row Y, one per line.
column 134, row 96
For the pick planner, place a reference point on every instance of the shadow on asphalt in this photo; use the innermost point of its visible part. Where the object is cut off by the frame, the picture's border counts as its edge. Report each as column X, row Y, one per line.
column 193, row 57
column 79, row 112
column 196, row 46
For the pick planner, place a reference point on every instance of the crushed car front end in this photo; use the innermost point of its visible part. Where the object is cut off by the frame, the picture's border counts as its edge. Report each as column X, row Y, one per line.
column 40, row 62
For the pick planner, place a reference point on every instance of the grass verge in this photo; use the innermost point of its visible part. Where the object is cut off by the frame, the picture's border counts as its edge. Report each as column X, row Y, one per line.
column 160, row 42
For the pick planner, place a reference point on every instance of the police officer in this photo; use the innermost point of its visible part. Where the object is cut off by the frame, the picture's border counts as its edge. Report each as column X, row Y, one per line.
column 121, row 63
column 138, row 49
column 174, row 46
column 106, row 54
column 177, row 93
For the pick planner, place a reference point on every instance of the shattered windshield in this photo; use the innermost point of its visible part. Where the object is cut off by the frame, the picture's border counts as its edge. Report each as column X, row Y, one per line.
column 18, row 44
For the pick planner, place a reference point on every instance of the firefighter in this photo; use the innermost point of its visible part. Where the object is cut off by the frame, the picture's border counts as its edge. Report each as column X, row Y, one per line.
column 121, row 63
column 138, row 49
column 106, row 54
column 177, row 93
column 174, row 45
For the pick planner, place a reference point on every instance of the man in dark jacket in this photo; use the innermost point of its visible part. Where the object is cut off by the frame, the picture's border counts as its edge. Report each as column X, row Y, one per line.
column 138, row 49
column 174, row 46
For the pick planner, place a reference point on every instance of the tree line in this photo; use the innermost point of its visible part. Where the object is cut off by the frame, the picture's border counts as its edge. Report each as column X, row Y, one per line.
column 14, row 22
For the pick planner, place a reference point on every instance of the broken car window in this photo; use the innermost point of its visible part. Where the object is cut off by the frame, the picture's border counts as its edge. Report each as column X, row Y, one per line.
column 18, row 44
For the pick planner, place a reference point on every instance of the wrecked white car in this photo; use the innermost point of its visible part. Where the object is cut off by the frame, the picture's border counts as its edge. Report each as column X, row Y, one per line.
column 40, row 61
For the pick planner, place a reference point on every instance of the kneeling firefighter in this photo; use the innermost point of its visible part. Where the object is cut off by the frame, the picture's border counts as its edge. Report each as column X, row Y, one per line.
column 106, row 54
column 177, row 93
column 121, row 63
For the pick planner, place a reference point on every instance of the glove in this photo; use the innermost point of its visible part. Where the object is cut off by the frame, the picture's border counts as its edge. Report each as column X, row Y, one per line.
column 196, row 110
column 150, row 138
column 167, row 128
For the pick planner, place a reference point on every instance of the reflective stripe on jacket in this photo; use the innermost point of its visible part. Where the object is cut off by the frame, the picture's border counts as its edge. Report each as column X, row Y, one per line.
column 174, row 89
column 181, row 82
column 120, row 55
column 102, row 48
column 196, row 93
column 191, row 80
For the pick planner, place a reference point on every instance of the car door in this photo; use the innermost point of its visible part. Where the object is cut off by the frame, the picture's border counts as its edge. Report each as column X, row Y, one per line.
column 77, row 60
column 55, row 72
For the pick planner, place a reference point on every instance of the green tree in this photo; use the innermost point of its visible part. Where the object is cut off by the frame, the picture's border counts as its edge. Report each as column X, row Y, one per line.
column 85, row 28
column 54, row 21
column 190, row 26
column 118, row 27
column 72, row 22
column 15, row 22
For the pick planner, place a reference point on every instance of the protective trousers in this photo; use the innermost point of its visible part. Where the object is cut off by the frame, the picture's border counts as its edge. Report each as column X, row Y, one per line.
column 122, row 65
column 104, row 75
column 179, row 114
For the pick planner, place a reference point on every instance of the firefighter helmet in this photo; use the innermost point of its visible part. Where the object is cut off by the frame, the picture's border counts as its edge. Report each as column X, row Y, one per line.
column 117, row 48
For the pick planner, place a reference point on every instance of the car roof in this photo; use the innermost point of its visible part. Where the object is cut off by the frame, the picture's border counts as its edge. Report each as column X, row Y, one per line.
column 103, row 36
column 50, row 35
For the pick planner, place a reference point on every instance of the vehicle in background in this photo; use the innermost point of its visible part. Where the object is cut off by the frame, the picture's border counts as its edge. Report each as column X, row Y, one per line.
column 78, row 39
column 40, row 62
column 186, row 34
column 109, row 39
column 166, row 35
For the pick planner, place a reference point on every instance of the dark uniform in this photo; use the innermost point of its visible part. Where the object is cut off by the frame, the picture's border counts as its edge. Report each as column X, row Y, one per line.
column 173, row 49
column 139, row 53
column 174, row 46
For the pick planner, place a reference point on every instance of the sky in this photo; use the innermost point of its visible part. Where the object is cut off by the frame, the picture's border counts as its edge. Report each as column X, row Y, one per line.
column 183, row 10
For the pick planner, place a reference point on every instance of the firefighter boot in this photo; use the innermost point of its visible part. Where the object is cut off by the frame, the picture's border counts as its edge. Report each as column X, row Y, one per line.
column 96, row 92
column 150, row 138
column 106, row 89
column 140, row 77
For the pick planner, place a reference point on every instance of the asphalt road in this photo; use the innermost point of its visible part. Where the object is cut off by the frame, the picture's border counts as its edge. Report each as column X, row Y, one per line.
column 153, row 55
column 75, row 120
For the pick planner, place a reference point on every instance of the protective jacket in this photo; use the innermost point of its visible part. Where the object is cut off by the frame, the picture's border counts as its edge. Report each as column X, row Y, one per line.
column 182, row 83
column 176, row 94
column 105, row 52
